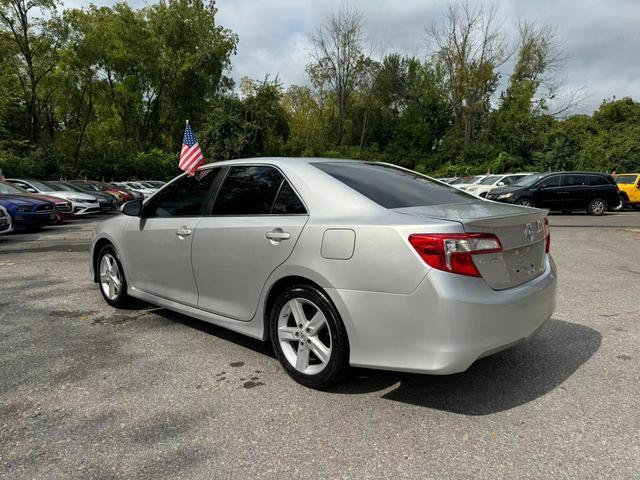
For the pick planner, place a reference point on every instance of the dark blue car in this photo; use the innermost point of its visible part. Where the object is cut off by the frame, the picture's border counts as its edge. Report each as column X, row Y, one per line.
column 28, row 212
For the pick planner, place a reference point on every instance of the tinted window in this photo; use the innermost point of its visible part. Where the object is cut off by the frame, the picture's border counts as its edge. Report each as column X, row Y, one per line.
column 287, row 201
column 549, row 182
column 575, row 180
column 184, row 197
column 249, row 190
column 597, row 180
column 393, row 187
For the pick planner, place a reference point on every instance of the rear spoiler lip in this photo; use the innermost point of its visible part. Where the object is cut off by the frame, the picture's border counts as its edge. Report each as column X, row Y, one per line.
column 489, row 221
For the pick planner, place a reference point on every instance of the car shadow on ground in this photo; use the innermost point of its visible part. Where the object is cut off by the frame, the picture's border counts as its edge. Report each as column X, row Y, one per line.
column 259, row 346
column 495, row 383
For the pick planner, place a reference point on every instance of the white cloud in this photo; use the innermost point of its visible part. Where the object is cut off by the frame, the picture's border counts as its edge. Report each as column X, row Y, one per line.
column 600, row 37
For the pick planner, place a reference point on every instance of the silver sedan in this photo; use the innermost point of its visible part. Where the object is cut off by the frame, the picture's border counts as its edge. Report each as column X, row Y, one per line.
column 336, row 262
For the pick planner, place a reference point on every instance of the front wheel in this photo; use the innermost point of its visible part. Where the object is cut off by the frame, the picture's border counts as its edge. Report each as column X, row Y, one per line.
column 597, row 207
column 113, row 284
column 309, row 337
column 525, row 202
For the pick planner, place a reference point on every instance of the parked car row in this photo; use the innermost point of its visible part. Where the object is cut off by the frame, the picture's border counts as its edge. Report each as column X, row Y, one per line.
column 559, row 191
column 32, row 204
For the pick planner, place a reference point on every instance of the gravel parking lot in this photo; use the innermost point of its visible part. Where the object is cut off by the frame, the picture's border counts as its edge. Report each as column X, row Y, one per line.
column 91, row 392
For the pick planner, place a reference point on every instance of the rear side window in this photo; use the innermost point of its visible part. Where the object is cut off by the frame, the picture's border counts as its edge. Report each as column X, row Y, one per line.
column 393, row 187
column 256, row 190
column 596, row 180
column 575, row 180
column 187, row 196
column 287, row 202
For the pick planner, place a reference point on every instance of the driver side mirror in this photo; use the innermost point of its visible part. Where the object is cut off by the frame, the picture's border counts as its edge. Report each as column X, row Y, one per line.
column 501, row 184
column 132, row 208
column 30, row 189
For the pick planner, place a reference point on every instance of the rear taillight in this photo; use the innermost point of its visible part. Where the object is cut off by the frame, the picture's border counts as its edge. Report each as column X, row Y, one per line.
column 547, row 235
column 452, row 252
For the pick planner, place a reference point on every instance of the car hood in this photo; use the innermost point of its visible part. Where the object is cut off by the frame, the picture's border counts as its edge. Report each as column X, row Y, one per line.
column 67, row 195
column 20, row 200
column 501, row 190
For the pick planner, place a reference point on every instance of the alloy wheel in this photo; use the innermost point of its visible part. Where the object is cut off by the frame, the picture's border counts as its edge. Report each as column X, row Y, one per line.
column 598, row 207
column 110, row 277
column 304, row 336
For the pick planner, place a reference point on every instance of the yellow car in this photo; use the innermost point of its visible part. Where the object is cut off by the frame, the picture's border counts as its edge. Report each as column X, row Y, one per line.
column 629, row 185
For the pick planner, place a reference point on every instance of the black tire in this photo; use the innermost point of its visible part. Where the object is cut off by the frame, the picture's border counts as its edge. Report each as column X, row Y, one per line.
column 597, row 207
column 620, row 206
column 122, row 299
column 337, row 366
column 525, row 202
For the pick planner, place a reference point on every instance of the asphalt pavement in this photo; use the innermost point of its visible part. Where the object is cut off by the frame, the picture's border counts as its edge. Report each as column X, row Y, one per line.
column 87, row 391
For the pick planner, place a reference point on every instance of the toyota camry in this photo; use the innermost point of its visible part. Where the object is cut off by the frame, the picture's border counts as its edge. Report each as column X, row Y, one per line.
column 336, row 263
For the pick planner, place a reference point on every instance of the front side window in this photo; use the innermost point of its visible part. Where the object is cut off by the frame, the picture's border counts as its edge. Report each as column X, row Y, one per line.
column 188, row 196
column 490, row 180
column 256, row 190
column 550, row 182
column 393, row 187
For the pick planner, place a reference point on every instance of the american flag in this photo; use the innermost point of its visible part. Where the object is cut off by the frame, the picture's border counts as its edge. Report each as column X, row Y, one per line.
column 191, row 156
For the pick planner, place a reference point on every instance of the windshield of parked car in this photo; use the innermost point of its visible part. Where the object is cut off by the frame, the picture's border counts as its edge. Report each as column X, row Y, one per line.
column 490, row 180
column 528, row 180
column 393, row 187
column 40, row 185
column 11, row 189
column 53, row 186
column 465, row 180
column 626, row 179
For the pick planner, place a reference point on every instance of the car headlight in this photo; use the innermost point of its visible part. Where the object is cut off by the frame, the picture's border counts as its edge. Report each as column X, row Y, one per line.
column 472, row 189
column 26, row 208
column 76, row 199
column 504, row 196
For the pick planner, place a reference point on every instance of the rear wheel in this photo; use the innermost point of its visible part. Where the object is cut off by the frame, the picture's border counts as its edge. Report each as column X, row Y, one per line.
column 525, row 202
column 597, row 207
column 309, row 337
column 620, row 206
column 111, row 280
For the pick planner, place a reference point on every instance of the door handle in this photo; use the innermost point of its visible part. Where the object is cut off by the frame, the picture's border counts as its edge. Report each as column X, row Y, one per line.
column 183, row 232
column 277, row 235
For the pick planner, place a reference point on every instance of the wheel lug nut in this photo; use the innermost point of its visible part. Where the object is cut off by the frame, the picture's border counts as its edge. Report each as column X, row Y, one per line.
column 308, row 329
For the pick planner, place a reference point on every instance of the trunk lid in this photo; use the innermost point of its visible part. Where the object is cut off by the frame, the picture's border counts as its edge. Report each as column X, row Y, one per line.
column 519, row 229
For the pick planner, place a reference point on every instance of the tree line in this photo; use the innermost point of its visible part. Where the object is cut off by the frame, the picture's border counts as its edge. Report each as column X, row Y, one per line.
column 103, row 92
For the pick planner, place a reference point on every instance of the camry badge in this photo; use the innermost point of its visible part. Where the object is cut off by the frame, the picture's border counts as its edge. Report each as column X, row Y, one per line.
column 529, row 232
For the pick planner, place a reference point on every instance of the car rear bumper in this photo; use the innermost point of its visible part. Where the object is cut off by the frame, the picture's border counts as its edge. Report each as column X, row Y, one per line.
column 446, row 324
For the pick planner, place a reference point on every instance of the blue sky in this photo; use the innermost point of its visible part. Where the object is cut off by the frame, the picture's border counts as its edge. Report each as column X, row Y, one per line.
column 601, row 39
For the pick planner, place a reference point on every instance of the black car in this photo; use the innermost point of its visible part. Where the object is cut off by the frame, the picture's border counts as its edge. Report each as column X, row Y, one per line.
column 566, row 191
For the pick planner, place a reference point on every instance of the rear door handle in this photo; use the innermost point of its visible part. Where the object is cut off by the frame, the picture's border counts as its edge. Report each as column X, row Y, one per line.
column 183, row 232
column 277, row 235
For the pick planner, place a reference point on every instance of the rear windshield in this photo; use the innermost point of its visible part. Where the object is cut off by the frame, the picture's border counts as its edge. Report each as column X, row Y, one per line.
column 393, row 187
column 626, row 179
